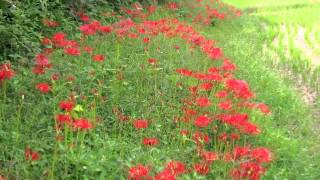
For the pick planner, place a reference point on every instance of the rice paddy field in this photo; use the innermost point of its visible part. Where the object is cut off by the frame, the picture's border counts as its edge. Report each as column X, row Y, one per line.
column 196, row 89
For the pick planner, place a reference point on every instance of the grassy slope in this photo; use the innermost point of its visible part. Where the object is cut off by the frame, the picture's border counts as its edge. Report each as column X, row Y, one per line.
column 290, row 131
column 285, row 131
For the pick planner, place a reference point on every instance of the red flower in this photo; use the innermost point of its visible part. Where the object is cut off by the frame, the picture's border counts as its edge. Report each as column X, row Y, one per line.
column 146, row 40
column 31, row 155
column 263, row 108
column 215, row 53
column 240, row 88
column 202, row 169
column 66, row 105
column 42, row 60
column 202, row 121
column 59, row 39
column 150, row 141
column 6, row 72
column 72, row 51
column 221, row 94
column 203, row 102
column 43, row 87
column 176, row 168
column 207, row 86
column 63, row 118
column 200, row 137
column 210, row 156
column 184, row 72
column 261, row 155
column 228, row 66
column 45, row 41
column 240, row 152
column 248, row 170
column 82, row 124
column 152, row 61
column 165, row 175
column 98, row 58
column 140, row 124
column 226, row 105
column 138, row 172
column 105, row 29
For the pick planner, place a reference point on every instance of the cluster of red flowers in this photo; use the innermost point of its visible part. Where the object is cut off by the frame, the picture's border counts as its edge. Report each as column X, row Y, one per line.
column 215, row 108
column 66, row 118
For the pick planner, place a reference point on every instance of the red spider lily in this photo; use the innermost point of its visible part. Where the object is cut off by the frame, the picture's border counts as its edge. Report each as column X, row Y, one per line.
column 59, row 39
column 138, row 172
column 240, row 88
column 226, row 105
column 66, row 105
column 250, row 128
column 223, row 137
column 176, row 168
column 209, row 156
column 63, row 118
column 184, row 72
column 261, row 155
column 72, row 51
column 202, row 121
column 43, row 87
column 228, row 66
column 98, row 58
column 152, row 61
column 105, row 29
column 203, row 102
column 45, row 41
column 234, row 136
column 38, row 70
column 263, row 108
column 31, row 155
column 200, row 137
column 207, row 86
column 6, row 72
column 221, row 94
column 50, row 23
column 41, row 60
column 213, row 70
column 202, row 169
column 150, row 141
column 146, row 40
column 240, row 152
column 214, row 53
column 248, row 170
column 82, row 123
column 140, row 124
column 90, row 29
column 165, row 175
column 84, row 18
